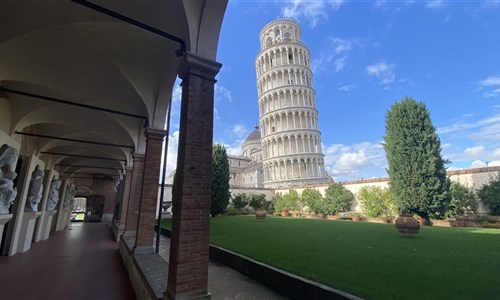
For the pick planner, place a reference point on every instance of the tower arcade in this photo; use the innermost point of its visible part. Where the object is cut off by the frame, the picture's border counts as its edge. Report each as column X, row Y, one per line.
column 291, row 139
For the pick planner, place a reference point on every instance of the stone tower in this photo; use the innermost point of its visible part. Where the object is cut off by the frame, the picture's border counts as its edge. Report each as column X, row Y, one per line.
column 291, row 140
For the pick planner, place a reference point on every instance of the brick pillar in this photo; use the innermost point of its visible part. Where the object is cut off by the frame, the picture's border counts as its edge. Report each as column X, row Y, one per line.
column 188, row 264
column 149, row 194
column 134, row 195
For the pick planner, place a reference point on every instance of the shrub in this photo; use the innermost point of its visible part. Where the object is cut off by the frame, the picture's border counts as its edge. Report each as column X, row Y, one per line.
column 279, row 203
column 313, row 200
column 257, row 201
column 240, row 201
column 376, row 202
column 463, row 200
column 337, row 199
column 490, row 194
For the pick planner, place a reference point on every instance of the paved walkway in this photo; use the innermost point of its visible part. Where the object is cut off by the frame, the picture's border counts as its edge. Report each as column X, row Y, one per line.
column 226, row 283
column 80, row 263
column 84, row 263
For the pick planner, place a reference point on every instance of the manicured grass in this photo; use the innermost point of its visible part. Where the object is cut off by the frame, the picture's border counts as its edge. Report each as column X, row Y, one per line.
column 371, row 260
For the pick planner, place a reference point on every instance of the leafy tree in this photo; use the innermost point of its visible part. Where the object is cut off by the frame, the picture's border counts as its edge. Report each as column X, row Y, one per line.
column 490, row 194
column 376, row 202
column 292, row 201
column 313, row 199
column 279, row 203
column 220, row 180
column 463, row 199
column 416, row 169
column 240, row 200
column 257, row 201
column 337, row 199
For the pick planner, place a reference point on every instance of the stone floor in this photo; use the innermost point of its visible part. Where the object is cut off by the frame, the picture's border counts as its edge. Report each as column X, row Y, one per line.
column 225, row 283
column 82, row 262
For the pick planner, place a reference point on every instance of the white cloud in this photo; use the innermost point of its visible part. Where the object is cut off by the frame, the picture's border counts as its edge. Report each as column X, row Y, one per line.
column 383, row 71
column 478, row 164
column 177, row 94
column 493, row 93
column 173, row 144
column 341, row 45
column 350, row 162
column 434, row 4
column 490, row 4
column 240, row 130
column 340, row 63
column 347, row 88
column 222, row 92
column 495, row 163
column 474, row 152
column 334, row 54
column 235, row 147
column 312, row 11
column 445, row 145
column 490, row 81
column 484, row 133
column 496, row 154
column 216, row 114
column 380, row 3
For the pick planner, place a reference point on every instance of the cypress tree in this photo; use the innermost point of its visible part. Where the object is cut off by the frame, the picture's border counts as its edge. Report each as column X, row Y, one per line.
column 220, row 180
column 416, row 169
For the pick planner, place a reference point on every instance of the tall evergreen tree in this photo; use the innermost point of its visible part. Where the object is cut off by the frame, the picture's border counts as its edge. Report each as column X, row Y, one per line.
column 220, row 180
column 416, row 169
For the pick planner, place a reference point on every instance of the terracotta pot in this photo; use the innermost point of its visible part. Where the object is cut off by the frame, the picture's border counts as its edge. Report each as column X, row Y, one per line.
column 320, row 216
column 285, row 213
column 407, row 225
column 356, row 218
column 260, row 214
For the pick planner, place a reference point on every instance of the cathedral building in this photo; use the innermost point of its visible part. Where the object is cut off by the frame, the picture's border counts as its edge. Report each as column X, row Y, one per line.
column 286, row 151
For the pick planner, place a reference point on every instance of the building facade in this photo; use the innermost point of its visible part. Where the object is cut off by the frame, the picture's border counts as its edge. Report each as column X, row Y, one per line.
column 291, row 139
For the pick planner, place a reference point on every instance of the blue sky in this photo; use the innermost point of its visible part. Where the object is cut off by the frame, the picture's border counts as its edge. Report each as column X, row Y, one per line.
column 365, row 56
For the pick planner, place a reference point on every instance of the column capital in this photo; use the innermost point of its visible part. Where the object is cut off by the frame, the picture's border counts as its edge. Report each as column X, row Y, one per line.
column 155, row 134
column 138, row 156
column 199, row 66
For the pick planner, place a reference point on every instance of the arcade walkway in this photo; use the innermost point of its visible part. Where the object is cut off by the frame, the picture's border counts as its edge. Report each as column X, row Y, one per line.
column 80, row 263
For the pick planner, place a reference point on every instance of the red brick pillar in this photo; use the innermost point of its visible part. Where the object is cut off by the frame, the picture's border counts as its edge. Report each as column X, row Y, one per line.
column 188, row 264
column 149, row 194
column 134, row 195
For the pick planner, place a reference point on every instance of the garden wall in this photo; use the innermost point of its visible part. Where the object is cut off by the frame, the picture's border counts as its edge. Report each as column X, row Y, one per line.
column 474, row 178
column 167, row 194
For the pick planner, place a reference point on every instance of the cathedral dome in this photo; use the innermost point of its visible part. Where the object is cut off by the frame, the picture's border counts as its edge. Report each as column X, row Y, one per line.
column 251, row 147
column 254, row 135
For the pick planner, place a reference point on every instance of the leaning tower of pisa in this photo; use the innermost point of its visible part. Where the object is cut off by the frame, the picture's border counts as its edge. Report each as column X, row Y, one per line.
column 291, row 140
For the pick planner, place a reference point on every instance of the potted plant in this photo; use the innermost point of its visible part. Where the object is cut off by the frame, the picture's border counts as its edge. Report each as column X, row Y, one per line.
column 257, row 203
column 407, row 225
column 280, row 207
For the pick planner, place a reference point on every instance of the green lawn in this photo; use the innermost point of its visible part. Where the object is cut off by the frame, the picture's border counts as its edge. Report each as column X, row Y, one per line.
column 371, row 260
